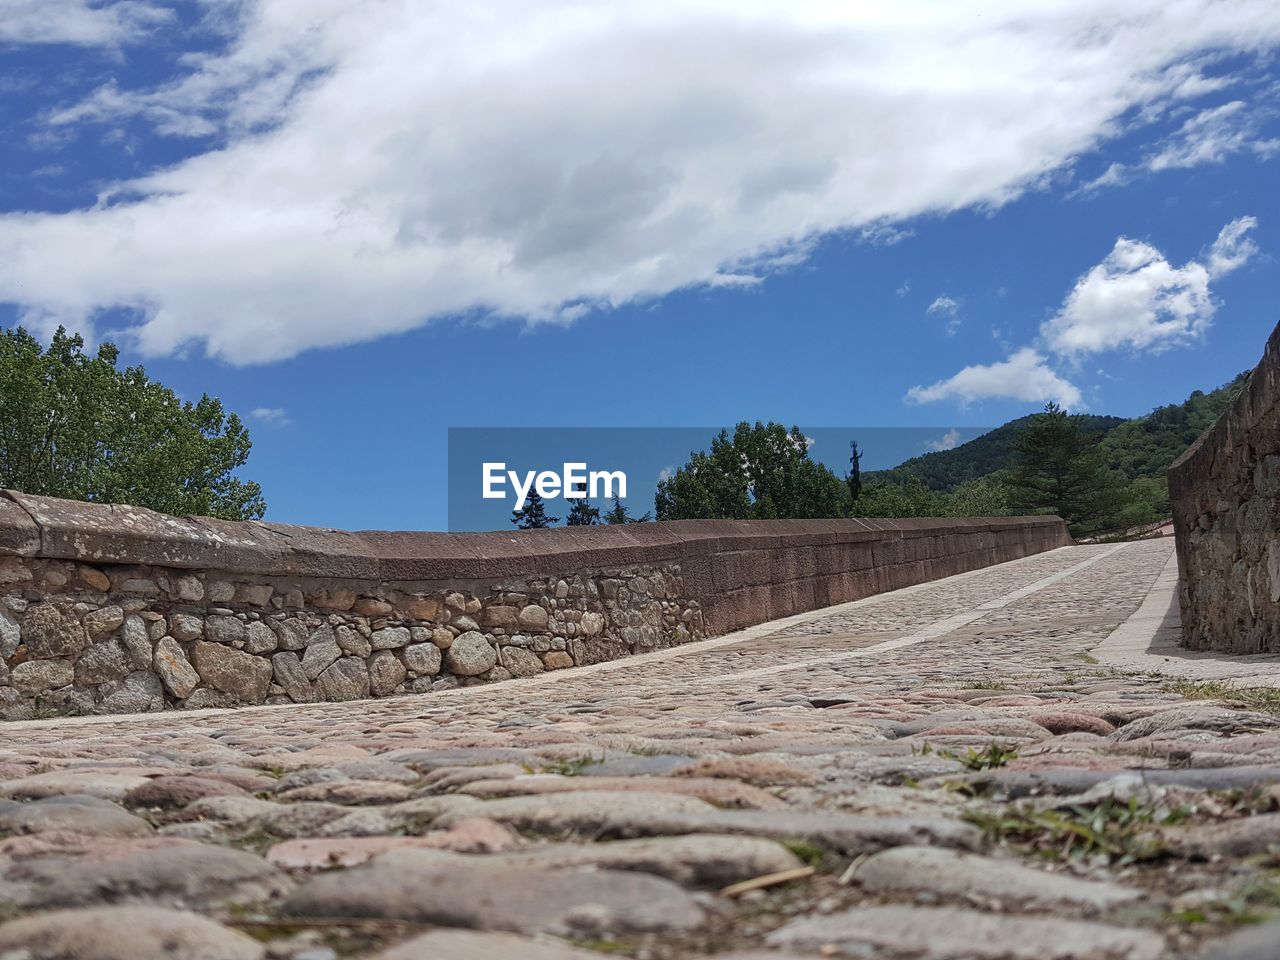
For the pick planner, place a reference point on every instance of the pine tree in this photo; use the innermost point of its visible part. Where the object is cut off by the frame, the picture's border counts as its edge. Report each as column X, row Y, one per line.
column 533, row 515
column 619, row 514
column 582, row 514
column 1060, row 469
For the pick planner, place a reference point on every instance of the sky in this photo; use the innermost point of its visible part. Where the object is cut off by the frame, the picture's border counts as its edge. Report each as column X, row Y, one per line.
column 363, row 224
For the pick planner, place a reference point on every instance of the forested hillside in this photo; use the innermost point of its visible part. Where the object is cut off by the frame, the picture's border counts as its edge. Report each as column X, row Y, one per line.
column 1145, row 446
column 947, row 469
column 1141, row 447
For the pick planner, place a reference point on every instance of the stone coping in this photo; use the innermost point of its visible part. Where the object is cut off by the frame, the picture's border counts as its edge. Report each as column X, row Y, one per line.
column 53, row 528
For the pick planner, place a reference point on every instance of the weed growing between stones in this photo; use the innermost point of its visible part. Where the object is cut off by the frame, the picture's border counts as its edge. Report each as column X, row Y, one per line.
column 988, row 759
column 810, row 854
column 1258, row 699
column 1111, row 832
column 993, row 756
column 1254, row 901
column 601, row 946
column 570, row 767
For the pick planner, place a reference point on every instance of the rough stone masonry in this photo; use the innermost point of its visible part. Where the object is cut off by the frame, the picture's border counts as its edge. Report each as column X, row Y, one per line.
column 1225, row 492
column 108, row 609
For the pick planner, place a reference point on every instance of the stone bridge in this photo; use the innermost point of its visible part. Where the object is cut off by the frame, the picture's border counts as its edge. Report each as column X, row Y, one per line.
column 868, row 739
column 1012, row 761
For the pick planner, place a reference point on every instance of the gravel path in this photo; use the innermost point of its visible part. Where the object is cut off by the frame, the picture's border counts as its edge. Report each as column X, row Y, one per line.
column 944, row 771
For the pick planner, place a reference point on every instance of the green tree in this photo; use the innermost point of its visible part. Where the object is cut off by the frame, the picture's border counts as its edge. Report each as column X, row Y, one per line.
column 618, row 514
column 533, row 515
column 909, row 498
column 987, row 496
column 1059, row 468
column 75, row 426
column 582, row 514
column 762, row 472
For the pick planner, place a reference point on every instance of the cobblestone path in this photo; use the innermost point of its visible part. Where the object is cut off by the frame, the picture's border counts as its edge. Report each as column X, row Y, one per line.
column 944, row 771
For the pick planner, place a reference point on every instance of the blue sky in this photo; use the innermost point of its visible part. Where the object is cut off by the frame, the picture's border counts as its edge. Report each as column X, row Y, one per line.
column 362, row 224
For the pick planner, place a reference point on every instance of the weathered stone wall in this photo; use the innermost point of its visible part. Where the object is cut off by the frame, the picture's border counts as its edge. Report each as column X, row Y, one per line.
column 118, row 609
column 1226, row 510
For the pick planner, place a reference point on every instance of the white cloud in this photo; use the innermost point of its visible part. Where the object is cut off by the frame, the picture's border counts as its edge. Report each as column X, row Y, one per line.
column 948, row 307
column 948, row 441
column 1137, row 299
column 382, row 164
column 1024, row 376
column 271, row 416
column 1212, row 135
column 1233, row 247
column 1134, row 299
column 884, row 234
column 78, row 22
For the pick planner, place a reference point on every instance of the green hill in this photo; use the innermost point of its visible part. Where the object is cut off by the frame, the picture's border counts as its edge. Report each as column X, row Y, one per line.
column 1145, row 446
column 1140, row 447
column 947, row 469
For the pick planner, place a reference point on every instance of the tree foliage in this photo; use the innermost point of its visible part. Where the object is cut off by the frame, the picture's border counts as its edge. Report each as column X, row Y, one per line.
column 762, row 472
column 911, row 497
column 982, row 456
column 618, row 514
column 582, row 514
column 76, row 426
column 1059, row 468
column 1146, row 446
column 533, row 515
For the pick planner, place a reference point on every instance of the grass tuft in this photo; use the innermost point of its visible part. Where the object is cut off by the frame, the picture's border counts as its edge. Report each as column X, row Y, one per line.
column 1115, row 831
column 1257, row 699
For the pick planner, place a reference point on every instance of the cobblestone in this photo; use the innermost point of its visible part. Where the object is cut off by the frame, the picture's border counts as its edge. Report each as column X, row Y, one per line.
column 943, row 770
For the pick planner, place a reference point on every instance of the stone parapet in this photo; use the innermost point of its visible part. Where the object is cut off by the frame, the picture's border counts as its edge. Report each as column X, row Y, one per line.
column 1225, row 492
column 119, row 609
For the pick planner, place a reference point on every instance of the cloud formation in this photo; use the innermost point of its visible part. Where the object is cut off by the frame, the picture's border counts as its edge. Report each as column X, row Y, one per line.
column 1025, row 376
column 1134, row 299
column 1137, row 299
column 78, row 22
column 271, row 416
column 948, row 441
column 382, row 164
column 948, row 307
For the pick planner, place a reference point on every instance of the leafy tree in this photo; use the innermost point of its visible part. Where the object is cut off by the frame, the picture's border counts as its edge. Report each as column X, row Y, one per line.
column 619, row 514
column 533, row 515
column 1059, row 468
column 987, row 496
column 582, row 514
column 762, row 472
column 1146, row 446
column 909, row 498
column 75, row 426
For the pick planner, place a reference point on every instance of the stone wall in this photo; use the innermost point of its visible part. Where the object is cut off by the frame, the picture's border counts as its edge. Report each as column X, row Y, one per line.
column 118, row 609
column 1226, row 509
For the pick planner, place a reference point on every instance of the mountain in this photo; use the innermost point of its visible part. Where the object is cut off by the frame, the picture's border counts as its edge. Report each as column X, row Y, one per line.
column 1139, row 447
column 1145, row 446
column 947, row 469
